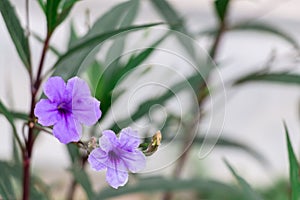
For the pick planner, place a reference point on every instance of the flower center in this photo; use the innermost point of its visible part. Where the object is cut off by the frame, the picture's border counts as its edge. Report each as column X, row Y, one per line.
column 113, row 156
column 63, row 108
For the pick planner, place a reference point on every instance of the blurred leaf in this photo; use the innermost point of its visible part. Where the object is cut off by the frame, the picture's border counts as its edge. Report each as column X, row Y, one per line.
column 69, row 64
column 277, row 191
column 93, row 74
column 16, row 32
column 19, row 115
column 6, row 185
column 10, row 119
column 114, row 73
column 160, row 184
column 65, row 8
column 82, row 178
column 52, row 48
column 73, row 36
column 294, row 168
column 193, row 81
column 249, row 193
column 222, row 142
column 116, row 49
column 262, row 27
column 73, row 152
column 221, row 7
column 42, row 5
column 276, row 77
column 176, row 23
column 56, row 12
column 51, row 14
column 267, row 28
column 111, row 20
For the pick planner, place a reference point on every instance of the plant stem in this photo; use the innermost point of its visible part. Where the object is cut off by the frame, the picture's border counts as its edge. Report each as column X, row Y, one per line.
column 31, row 138
column 72, row 188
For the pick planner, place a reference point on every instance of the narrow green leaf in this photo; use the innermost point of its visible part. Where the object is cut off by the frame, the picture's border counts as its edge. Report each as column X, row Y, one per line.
column 51, row 48
column 113, row 74
column 73, row 152
column 6, row 185
column 256, row 26
column 69, row 64
column 10, row 119
column 82, row 178
column 42, row 5
column 16, row 32
column 176, row 23
column 51, row 14
column 221, row 7
column 248, row 192
column 73, row 36
column 160, row 184
column 222, row 142
column 294, row 168
column 267, row 28
column 65, row 8
column 56, row 12
column 110, row 21
column 116, row 49
column 276, row 77
column 193, row 81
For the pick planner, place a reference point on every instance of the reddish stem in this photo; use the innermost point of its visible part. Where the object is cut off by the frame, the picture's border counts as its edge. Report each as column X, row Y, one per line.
column 30, row 140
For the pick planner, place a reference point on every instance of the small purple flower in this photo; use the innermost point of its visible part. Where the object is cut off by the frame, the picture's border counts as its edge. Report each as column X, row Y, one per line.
column 67, row 107
column 118, row 156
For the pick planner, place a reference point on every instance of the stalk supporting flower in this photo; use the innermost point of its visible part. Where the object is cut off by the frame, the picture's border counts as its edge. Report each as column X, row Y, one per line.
column 118, row 155
column 67, row 107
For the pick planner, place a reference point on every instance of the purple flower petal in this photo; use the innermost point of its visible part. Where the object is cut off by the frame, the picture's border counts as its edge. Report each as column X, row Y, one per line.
column 129, row 139
column 78, row 88
column 67, row 129
column 97, row 159
column 116, row 178
column 46, row 112
column 86, row 110
column 108, row 140
column 54, row 88
column 134, row 161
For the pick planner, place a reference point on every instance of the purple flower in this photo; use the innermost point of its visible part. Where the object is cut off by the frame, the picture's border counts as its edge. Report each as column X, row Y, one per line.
column 118, row 156
column 67, row 107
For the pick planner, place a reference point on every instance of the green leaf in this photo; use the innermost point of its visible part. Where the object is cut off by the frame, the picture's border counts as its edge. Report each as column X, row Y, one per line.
column 56, row 12
column 176, row 23
column 193, row 81
column 221, row 7
column 51, row 14
column 248, row 192
column 92, row 73
column 256, row 26
column 276, row 77
column 222, row 142
column 82, row 178
column 73, row 35
column 160, row 184
column 69, row 64
column 10, row 119
column 73, row 152
column 6, row 185
column 294, row 168
column 51, row 48
column 113, row 74
column 16, row 32
column 42, row 4
column 116, row 49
